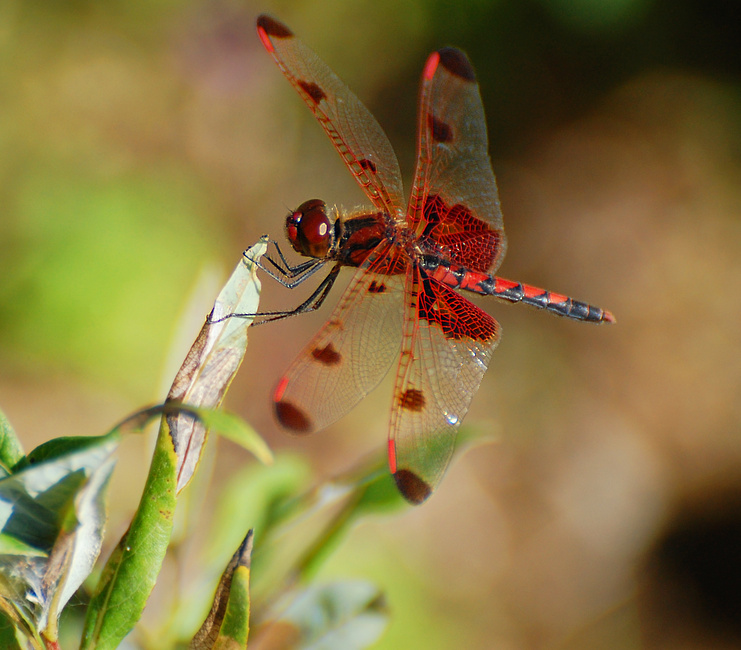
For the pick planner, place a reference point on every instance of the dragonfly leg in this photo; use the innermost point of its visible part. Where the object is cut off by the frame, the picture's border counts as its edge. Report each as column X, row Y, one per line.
column 285, row 272
column 312, row 303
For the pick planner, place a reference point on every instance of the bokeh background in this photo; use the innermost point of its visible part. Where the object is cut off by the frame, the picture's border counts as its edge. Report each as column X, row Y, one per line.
column 143, row 145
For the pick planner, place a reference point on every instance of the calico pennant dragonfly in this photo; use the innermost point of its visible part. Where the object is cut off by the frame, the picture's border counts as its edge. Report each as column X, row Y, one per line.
column 410, row 260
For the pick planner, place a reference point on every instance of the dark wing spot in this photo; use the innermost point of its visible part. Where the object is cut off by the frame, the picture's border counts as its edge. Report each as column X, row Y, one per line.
column 273, row 28
column 412, row 487
column 457, row 63
column 441, row 132
column 376, row 287
column 327, row 355
column 292, row 417
column 313, row 91
column 412, row 400
column 368, row 165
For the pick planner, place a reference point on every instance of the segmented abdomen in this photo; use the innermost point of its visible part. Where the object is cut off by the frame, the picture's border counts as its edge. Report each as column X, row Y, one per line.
column 459, row 277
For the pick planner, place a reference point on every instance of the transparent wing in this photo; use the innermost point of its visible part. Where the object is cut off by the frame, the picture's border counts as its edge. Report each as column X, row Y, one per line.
column 350, row 355
column 355, row 133
column 446, row 347
column 454, row 203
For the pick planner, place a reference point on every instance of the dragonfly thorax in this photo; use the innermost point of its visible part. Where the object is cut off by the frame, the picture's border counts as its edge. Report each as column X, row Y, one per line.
column 310, row 230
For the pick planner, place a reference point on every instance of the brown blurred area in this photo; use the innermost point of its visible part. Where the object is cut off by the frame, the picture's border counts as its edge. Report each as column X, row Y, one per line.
column 144, row 147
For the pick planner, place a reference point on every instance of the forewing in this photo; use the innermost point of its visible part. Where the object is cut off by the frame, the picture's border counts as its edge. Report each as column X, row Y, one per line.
column 454, row 204
column 354, row 132
column 349, row 356
column 447, row 344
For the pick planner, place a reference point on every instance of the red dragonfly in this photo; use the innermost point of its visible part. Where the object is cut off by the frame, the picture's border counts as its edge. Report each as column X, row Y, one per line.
column 410, row 260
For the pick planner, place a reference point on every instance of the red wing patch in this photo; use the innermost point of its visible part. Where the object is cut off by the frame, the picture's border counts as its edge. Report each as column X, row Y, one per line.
column 458, row 235
column 456, row 317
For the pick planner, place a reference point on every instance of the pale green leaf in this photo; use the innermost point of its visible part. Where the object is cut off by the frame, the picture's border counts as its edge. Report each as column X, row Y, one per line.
column 56, row 509
column 213, row 360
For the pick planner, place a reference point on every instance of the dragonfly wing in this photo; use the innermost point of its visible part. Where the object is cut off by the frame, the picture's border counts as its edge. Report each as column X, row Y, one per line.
column 350, row 355
column 351, row 127
column 446, row 347
column 454, row 204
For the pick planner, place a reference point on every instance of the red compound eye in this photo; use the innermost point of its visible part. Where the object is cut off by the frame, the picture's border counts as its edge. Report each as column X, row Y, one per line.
column 309, row 229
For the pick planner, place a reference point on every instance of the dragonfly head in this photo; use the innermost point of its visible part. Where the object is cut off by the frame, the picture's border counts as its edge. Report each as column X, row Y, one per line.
column 310, row 229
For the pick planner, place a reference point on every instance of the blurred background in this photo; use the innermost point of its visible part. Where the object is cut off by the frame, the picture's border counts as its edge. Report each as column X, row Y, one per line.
column 144, row 145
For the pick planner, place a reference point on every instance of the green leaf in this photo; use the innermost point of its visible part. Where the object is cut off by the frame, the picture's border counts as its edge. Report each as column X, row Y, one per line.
column 235, row 629
column 52, row 514
column 61, row 447
column 131, row 571
column 11, row 450
column 237, row 430
column 8, row 639
column 11, row 545
column 227, row 624
column 58, row 447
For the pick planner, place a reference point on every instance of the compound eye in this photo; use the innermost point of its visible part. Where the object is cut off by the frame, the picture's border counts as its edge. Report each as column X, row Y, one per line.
column 309, row 229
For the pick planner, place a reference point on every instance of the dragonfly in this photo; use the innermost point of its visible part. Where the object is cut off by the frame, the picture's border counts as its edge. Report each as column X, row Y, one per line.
column 411, row 258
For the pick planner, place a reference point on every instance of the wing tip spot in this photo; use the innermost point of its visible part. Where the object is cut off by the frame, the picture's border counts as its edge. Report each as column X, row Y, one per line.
column 457, row 63
column 412, row 487
column 292, row 417
column 272, row 27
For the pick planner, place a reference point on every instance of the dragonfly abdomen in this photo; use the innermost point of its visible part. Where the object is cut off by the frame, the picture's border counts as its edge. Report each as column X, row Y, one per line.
column 458, row 277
